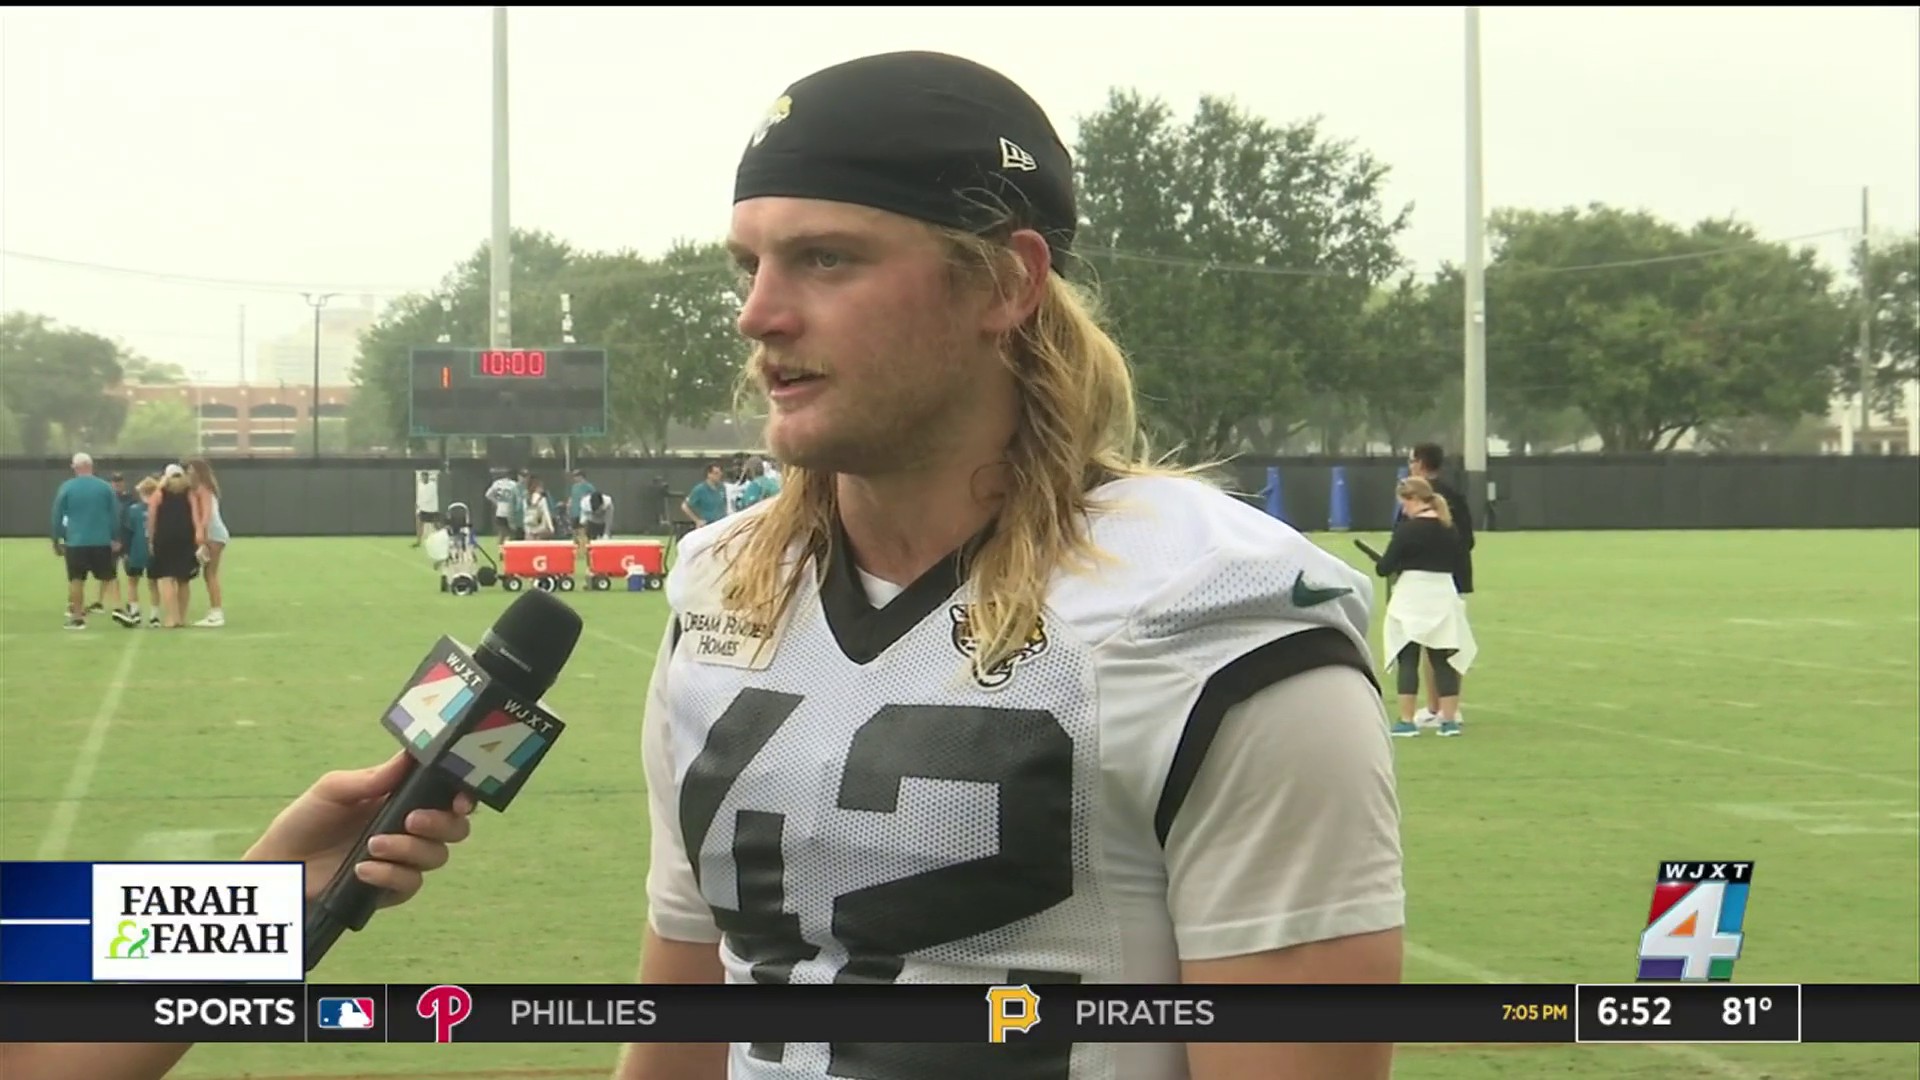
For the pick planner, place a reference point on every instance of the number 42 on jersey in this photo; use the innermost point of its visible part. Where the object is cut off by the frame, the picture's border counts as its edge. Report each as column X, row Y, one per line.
column 1693, row 928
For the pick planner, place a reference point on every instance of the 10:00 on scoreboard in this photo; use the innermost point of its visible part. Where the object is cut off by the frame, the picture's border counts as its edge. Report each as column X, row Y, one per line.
column 457, row 391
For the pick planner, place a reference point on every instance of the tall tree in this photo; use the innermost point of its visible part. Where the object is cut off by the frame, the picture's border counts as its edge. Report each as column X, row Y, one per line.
column 137, row 370
column 62, row 376
column 166, row 426
column 1235, row 256
column 10, row 438
column 1653, row 331
column 668, row 327
column 381, row 375
column 1402, row 362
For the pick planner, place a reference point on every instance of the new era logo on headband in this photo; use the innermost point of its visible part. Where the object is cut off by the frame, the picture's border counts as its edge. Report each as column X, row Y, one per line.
column 1012, row 157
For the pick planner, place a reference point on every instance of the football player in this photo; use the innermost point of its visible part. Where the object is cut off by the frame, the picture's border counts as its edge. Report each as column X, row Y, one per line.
column 986, row 696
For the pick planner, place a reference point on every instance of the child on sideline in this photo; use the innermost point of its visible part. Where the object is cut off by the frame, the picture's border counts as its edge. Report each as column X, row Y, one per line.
column 137, row 552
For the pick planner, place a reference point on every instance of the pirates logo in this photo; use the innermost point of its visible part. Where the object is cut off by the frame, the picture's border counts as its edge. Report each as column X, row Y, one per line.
column 1001, row 673
column 775, row 114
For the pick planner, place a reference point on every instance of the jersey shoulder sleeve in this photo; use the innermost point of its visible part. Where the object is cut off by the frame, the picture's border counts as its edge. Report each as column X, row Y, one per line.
column 1200, row 603
column 1206, row 579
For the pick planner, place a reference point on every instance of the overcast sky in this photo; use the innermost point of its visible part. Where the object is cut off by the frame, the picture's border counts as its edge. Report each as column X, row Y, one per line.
column 348, row 149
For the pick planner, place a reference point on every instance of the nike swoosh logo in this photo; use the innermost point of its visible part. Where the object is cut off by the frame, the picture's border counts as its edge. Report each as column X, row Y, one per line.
column 1305, row 595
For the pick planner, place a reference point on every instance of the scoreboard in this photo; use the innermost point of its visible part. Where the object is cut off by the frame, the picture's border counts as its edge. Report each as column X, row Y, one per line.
column 469, row 392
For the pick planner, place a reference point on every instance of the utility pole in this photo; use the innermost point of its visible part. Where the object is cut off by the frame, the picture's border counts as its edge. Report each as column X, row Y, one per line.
column 1475, row 421
column 1866, row 330
column 317, row 301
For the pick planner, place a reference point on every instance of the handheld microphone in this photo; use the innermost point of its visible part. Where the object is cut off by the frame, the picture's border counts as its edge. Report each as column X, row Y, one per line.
column 472, row 721
column 1368, row 549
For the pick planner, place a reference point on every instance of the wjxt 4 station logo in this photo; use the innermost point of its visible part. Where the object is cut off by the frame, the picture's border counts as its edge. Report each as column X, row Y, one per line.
column 1693, row 931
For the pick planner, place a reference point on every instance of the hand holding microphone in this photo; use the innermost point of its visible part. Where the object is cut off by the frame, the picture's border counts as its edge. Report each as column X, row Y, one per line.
column 322, row 826
column 473, row 728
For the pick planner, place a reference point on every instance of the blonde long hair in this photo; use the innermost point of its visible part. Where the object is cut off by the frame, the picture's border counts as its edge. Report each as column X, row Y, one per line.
column 1078, row 428
column 200, row 473
column 1417, row 489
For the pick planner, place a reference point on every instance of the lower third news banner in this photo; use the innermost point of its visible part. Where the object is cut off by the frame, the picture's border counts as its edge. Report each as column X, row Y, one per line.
column 1008, row 1020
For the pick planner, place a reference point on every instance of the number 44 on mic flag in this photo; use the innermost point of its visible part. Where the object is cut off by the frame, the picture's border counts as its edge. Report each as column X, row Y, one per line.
column 491, row 756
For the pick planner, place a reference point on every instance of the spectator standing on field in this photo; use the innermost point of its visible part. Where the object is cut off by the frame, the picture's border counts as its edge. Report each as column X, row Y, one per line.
column 517, row 513
column 577, row 497
column 170, row 544
column 86, row 529
column 707, row 502
column 120, row 540
column 210, row 535
column 500, row 495
column 139, row 555
column 760, row 482
column 426, row 504
column 1425, row 614
column 1425, row 463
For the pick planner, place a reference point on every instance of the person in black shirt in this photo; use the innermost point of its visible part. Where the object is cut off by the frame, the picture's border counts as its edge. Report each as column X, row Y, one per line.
column 1426, row 462
column 1425, row 612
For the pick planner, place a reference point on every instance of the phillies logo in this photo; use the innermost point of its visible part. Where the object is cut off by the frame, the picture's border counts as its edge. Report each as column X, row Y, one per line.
column 448, row 1007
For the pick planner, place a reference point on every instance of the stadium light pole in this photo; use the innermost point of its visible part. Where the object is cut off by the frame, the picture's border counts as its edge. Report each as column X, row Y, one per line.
column 500, row 334
column 1474, row 433
column 316, row 301
column 500, row 280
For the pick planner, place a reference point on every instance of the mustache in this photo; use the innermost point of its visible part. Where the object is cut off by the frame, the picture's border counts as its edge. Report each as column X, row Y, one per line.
column 762, row 359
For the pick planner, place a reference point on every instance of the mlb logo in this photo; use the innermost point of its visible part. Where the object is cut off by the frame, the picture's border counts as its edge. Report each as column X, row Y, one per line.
column 346, row 1013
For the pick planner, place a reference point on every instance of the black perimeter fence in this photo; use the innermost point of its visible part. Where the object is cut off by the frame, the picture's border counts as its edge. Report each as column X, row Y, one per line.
column 340, row 496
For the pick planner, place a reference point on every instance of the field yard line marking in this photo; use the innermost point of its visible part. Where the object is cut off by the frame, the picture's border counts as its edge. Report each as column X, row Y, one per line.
column 645, row 652
column 1740, row 704
column 1799, row 763
column 1899, row 781
column 1468, row 970
column 67, row 811
column 1674, row 650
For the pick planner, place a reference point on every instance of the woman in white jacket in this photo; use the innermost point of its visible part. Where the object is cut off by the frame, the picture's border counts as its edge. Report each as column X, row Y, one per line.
column 1425, row 611
column 539, row 511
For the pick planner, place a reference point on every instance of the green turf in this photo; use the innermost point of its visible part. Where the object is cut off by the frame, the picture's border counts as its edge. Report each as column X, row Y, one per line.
column 1639, row 697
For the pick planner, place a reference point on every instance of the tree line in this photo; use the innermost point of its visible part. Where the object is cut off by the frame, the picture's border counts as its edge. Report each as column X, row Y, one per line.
column 1252, row 270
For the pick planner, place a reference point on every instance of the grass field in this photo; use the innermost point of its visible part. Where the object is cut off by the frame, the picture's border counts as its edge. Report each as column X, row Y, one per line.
column 1640, row 696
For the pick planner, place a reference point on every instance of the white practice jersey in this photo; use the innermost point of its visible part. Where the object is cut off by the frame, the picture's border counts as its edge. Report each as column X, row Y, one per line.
column 839, row 798
column 426, row 492
column 500, row 494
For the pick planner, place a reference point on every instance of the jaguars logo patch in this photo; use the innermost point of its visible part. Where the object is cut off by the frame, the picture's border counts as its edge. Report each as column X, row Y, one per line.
column 1002, row 673
column 778, row 112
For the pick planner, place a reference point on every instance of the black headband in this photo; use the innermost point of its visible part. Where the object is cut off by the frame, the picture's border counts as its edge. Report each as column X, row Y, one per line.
column 926, row 135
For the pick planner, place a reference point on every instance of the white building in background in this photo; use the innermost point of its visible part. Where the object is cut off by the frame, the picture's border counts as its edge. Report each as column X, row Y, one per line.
column 287, row 359
column 1894, row 434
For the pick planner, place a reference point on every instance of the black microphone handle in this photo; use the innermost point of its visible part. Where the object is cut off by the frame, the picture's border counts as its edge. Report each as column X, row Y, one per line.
column 348, row 902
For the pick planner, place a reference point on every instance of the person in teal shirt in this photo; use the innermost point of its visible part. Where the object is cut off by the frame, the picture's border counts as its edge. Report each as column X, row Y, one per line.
column 577, row 504
column 707, row 502
column 762, row 487
column 86, row 530
column 135, row 514
column 518, row 516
